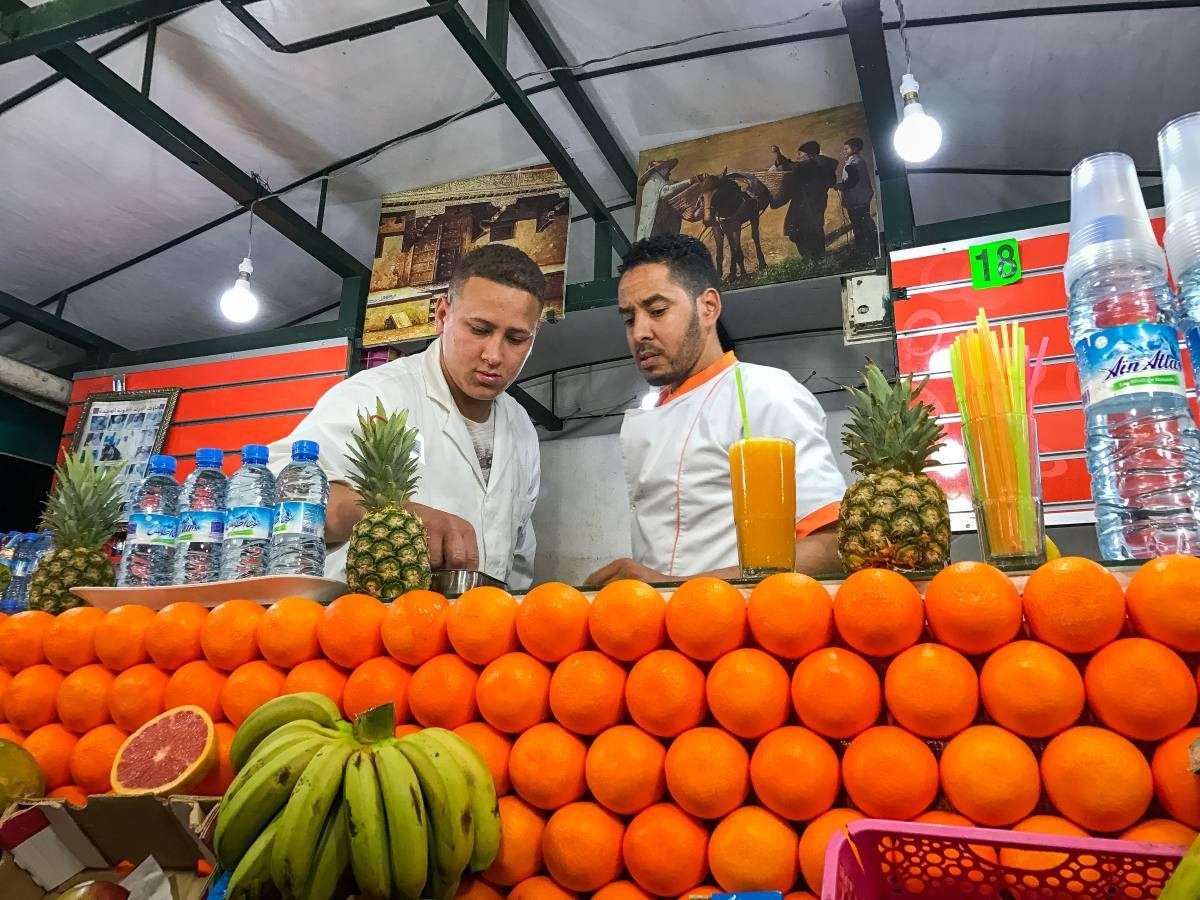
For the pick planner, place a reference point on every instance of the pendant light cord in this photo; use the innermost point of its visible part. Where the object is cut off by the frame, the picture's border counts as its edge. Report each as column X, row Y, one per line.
column 904, row 37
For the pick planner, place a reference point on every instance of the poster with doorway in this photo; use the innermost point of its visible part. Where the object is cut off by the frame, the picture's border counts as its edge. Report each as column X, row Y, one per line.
column 775, row 202
column 423, row 233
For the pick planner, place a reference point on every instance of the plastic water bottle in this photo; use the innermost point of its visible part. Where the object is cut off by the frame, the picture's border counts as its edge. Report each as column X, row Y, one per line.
column 1143, row 447
column 1179, row 152
column 247, row 549
column 148, row 559
column 202, row 520
column 8, row 548
column 16, row 595
column 298, row 535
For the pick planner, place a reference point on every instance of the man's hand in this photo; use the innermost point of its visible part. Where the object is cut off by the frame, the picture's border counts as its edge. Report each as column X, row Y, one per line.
column 452, row 543
column 626, row 568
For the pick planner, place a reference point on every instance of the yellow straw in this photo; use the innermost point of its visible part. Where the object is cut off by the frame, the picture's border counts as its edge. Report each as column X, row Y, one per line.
column 737, row 376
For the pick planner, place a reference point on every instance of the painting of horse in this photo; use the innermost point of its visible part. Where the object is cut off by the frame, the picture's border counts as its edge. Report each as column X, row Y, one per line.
column 729, row 202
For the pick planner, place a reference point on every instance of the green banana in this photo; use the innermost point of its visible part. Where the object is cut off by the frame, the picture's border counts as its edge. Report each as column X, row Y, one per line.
column 280, row 739
column 366, row 824
column 448, row 807
column 1184, row 883
column 331, row 857
column 274, row 713
column 253, row 872
column 303, row 817
column 485, row 808
column 408, row 840
column 243, row 815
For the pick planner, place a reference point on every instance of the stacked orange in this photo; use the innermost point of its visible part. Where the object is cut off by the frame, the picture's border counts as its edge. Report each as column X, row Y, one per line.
column 647, row 745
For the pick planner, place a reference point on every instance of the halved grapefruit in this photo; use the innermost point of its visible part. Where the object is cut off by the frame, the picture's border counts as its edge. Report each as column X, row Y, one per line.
column 170, row 754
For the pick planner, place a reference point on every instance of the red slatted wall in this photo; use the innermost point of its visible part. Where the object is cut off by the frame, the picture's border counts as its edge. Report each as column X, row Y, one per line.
column 942, row 304
column 229, row 402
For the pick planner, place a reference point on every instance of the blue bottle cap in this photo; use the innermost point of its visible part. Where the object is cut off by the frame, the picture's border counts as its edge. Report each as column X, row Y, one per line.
column 305, row 451
column 255, row 455
column 161, row 465
column 210, row 458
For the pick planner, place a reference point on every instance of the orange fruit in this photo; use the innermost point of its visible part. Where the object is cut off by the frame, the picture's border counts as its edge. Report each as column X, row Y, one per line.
column 621, row 890
column 540, row 888
column 1096, row 778
column 477, row 889
column 581, row 846
column 22, row 639
column 1164, row 601
column 973, row 607
column 173, row 638
column 1140, row 688
column 836, row 693
column 52, row 746
column 9, row 733
column 83, row 699
column 196, row 684
column 442, row 692
column 889, row 773
column 92, row 758
column 414, row 629
column 954, row 820
column 753, row 850
column 1176, row 788
column 665, row 693
column 218, row 780
column 878, row 612
column 666, row 850
column 990, row 776
column 815, row 840
column 747, row 691
column 628, row 619
column 706, row 618
column 790, row 615
column 552, row 621
column 72, row 793
column 121, row 637
column 546, row 766
column 1074, row 604
column 587, row 692
column 493, row 746
column 407, row 728
column 1040, row 860
column 708, row 772
column 318, row 675
column 775, row 763
column 625, row 770
column 287, row 632
column 513, row 692
column 70, row 643
column 1161, row 831
column 136, row 696
column 5, row 678
column 482, row 625
column 376, row 682
column 229, row 635
column 350, row 630
column 32, row 696
column 1031, row 689
column 248, row 687
column 520, row 855
column 932, row 690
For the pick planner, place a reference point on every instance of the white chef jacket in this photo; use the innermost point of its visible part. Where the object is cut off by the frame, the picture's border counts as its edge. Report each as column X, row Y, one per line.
column 450, row 477
column 676, row 458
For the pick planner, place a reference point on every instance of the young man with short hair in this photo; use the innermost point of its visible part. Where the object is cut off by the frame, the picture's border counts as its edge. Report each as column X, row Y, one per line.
column 856, row 190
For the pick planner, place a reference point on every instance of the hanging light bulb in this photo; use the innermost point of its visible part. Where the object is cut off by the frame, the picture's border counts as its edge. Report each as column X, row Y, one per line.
column 918, row 135
column 239, row 303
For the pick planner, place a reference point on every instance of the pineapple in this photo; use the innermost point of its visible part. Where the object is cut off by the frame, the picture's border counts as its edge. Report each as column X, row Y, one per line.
column 388, row 553
column 895, row 516
column 83, row 512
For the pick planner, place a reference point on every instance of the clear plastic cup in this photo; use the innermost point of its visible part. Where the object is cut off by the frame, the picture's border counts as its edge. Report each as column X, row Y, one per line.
column 1179, row 153
column 1109, row 222
column 1007, row 489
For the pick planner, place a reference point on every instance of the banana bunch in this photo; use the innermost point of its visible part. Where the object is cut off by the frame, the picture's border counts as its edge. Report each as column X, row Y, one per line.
column 315, row 798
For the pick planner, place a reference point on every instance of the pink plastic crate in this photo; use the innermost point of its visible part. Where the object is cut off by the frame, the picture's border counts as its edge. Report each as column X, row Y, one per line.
column 937, row 862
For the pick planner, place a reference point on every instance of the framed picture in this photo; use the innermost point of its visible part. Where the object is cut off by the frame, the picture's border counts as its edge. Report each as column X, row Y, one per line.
column 123, row 430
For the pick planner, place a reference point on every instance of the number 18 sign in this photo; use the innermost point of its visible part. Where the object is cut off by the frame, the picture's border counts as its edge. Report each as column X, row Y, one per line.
column 995, row 264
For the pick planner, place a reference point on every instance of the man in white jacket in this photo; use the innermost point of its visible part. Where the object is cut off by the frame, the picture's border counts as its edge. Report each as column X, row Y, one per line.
column 480, row 463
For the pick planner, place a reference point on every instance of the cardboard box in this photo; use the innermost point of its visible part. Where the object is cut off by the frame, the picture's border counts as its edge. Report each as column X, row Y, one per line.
column 60, row 845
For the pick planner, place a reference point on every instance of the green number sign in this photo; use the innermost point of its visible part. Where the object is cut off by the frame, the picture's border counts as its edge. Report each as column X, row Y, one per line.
column 995, row 264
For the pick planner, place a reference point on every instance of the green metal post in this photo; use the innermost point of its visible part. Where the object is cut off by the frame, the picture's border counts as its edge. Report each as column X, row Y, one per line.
column 602, row 261
column 497, row 29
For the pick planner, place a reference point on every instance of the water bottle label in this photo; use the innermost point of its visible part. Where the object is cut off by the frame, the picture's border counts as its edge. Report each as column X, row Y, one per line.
column 250, row 522
column 198, row 526
column 152, row 530
column 1130, row 359
column 307, row 519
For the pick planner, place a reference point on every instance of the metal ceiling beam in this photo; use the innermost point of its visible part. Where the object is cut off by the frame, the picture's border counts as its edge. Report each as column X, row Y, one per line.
column 27, row 31
column 539, row 413
column 352, row 33
column 476, row 47
column 18, row 309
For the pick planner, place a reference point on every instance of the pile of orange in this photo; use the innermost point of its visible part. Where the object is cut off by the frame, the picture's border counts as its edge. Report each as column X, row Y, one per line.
column 651, row 745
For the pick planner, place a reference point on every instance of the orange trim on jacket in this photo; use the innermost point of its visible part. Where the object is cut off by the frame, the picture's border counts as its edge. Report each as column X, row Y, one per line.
column 702, row 377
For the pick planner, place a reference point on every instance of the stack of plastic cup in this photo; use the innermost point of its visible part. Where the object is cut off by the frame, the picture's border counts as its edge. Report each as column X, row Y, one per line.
column 1179, row 151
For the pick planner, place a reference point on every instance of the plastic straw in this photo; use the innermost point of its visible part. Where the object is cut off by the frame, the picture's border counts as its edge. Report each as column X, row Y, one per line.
column 737, row 376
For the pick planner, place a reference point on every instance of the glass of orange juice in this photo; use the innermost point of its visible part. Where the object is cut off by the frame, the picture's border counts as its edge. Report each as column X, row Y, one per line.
column 763, row 473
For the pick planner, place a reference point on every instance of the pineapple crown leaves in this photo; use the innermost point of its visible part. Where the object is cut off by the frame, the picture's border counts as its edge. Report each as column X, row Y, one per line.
column 384, row 458
column 85, row 506
column 889, row 427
